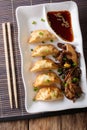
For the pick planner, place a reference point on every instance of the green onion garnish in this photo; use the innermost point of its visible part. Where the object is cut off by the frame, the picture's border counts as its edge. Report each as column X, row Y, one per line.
column 51, row 40
column 63, row 76
column 31, row 49
column 64, row 58
column 66, row 84
column 46, row 50
column 48, row 80
column 43, row 20
column 50, row 70
column 34, row 22
column 74, row 64
column 53, row 94
column 74, row 80
column 43, row 42
column 40, row 33
column 35, row 88
column 54, row 56
column 33, row 99
column 60, row 70
column 43, row 57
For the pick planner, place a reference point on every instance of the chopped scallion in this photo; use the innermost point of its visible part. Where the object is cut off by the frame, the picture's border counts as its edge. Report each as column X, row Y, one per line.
column 54, row 56
column 64, row 59
column 33, row 99
column 63, row 76
column 51, row 40
column 74, row 64
column 66, row 84
column 74, row 80
column 40, row 33
column 43, row 57
column 43, row 20
column 43, row 42
column 35, row 88
column 31, row 49
column 46, row 50
column 60, row 70
column 48, row 80
column 34, row 22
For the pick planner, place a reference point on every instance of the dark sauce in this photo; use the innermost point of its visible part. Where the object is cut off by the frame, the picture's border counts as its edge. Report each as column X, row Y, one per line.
column 60, row 21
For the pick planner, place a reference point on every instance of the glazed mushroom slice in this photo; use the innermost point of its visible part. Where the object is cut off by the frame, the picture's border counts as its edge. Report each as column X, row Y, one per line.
column 72, row 90
column 71, row 85
column 38, row 36
column 44, row 64
column 49, row 94
column 73, row 54
column 44, row 50
column 46, row 79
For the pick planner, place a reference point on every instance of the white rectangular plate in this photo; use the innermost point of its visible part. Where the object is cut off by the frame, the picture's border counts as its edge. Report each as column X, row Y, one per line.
column 25, row 15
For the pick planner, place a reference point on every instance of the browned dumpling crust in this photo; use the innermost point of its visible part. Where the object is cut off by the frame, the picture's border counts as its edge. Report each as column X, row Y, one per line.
column 44, row 50
column 49, row 94
column 44, row 64
column 40, row 36
column 46, row 79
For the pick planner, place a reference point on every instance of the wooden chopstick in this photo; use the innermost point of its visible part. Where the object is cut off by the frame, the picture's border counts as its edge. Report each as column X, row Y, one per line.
column 12, row 64
column 7, row 63
column 5, row 36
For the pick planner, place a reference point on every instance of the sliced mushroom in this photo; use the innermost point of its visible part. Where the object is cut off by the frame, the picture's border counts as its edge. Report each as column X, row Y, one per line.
column 71, row 86
column 72, row 91
column 73, row 56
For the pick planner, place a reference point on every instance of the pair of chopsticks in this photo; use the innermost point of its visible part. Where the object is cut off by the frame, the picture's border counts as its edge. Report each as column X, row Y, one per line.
column 6, row 27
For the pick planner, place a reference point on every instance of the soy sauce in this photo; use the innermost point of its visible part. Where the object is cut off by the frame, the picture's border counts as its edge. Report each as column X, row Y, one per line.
column 60, row 21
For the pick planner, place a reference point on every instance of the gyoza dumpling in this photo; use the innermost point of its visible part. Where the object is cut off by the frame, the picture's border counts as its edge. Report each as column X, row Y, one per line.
column 40, row 35
column 46, row 79
column 49, row 94
column 43, row 64
column 44, row 50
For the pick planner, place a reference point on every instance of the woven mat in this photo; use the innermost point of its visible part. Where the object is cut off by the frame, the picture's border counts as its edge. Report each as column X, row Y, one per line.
column 7, row 14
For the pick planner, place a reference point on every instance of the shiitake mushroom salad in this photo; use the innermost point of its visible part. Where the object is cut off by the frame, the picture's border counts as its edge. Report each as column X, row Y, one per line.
column 60, row 75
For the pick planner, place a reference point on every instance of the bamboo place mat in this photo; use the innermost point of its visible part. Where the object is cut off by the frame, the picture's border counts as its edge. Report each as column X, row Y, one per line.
column 7, row 13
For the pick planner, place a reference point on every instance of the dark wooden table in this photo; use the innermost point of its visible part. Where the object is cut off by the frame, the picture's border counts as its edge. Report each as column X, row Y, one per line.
column 76, row 121
column 64, row 122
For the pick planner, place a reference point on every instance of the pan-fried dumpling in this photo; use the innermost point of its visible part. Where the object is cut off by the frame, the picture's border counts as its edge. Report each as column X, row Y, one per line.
column 46, row 79
column 40, row 35
column 44, row 50
column 49, row 94
column 43, row 64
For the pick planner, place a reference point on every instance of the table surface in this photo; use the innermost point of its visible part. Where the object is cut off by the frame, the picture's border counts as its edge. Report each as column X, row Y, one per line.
column 76, row 121
column 63, row 122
